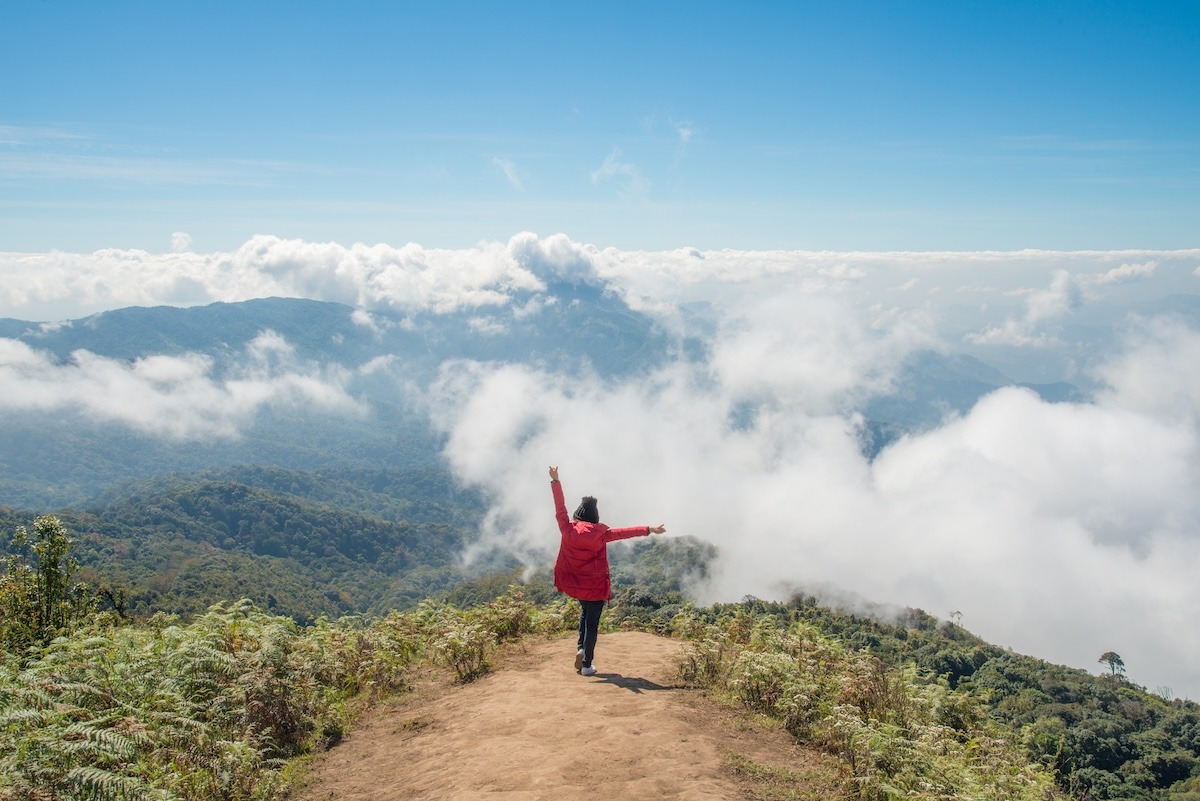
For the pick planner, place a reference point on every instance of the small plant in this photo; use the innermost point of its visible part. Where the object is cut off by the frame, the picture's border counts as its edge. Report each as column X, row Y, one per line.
column 703, row 661
column 509, row 616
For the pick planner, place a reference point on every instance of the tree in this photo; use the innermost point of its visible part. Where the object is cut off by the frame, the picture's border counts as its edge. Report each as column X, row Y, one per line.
column 1116, row 665
column 39, row 598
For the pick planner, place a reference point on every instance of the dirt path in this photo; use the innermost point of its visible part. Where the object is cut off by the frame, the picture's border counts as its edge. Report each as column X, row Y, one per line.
column 534, row 729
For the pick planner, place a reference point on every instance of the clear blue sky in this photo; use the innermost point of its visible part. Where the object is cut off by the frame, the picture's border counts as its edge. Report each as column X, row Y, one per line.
column 833, row 125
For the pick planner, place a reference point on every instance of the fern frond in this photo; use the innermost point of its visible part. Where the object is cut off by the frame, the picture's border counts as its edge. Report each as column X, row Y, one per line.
column 103, row 743
column 97, row 784
column 26, row 716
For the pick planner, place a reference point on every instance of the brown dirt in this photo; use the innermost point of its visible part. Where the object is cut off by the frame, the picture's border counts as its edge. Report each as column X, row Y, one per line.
column 535, row 729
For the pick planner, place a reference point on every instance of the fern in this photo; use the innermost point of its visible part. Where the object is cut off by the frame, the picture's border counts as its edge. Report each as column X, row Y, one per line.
column 102, row 743
column 95, row 784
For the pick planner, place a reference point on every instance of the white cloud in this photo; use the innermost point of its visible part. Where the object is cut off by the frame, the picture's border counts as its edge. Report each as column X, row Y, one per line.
column 1041, row 306
column 364, row 318
column 176, row 397
column 555, row 258
column 410, row 278
column 1127, row 272
column 1157, row 374
column 811, row 351
column 180, row 242
column 686, row 131
column 487, row 326
column 627, row 176
column 380, row 364
column 509, row 170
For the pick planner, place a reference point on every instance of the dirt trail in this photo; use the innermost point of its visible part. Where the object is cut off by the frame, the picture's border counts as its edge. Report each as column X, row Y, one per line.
column 535, row 729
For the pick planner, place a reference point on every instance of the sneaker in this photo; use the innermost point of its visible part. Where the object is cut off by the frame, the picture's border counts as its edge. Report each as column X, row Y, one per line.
column 588, row 671
column 579, row 660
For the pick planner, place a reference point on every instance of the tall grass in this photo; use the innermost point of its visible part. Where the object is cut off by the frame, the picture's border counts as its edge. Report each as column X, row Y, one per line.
column 897, row 734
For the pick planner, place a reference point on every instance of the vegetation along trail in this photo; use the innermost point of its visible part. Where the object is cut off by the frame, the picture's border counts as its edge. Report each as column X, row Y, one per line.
column 534, row 729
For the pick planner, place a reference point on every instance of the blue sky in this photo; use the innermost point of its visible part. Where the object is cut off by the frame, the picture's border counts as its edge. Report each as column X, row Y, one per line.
column 844, row 126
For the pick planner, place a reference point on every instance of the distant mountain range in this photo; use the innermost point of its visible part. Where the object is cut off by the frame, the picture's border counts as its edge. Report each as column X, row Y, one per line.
column 50, row 460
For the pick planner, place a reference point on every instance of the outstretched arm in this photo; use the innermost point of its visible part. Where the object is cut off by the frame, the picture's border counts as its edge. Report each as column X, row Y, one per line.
column 632, row 531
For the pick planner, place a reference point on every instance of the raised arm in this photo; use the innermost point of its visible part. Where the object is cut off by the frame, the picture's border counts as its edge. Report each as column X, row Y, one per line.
column 560, row 505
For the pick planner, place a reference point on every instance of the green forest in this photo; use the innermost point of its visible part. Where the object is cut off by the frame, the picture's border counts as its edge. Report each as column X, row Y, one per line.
column 198, row 635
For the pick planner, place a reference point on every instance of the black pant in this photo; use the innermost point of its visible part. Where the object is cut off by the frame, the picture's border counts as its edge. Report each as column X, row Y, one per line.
column 589, row 628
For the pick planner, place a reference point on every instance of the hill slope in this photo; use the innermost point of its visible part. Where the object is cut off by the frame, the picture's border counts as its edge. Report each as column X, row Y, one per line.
column 299, row 544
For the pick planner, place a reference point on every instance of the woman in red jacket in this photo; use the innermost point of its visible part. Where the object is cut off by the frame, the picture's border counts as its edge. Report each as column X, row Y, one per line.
column 582, row 567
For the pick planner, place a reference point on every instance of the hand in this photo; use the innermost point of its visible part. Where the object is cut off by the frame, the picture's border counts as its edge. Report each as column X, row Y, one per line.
column 659, row 529
column 554, row 474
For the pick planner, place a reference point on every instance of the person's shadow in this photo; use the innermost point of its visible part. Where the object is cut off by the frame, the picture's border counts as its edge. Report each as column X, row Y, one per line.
column 635, row 684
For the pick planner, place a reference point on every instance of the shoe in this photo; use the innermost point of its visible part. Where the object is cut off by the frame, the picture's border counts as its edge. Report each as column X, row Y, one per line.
column 588, row 671
column 579, row 660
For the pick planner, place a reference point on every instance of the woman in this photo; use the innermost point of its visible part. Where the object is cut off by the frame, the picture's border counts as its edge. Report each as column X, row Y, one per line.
column 582, row 567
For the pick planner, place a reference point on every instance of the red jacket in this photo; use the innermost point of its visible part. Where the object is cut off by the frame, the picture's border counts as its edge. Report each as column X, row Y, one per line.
column 582, row 567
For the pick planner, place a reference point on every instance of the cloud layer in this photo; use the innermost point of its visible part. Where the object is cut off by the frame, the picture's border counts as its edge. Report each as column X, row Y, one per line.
column 176, row 397
column 1062, row 530
column 1010, row 295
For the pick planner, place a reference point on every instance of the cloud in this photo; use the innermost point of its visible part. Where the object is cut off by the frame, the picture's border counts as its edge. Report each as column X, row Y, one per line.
column 628, row 178
column 1127, row 272
column 411, row 278
column 1056, row 529
column 408, row 278
column 686, row 132
column 555, row 258
column 509, row 170
column 487, row 326
column 16, row 136
column 810, row 351
column 180, row 242
column 1041, row 306
column 176, row 397
column 1157, row 373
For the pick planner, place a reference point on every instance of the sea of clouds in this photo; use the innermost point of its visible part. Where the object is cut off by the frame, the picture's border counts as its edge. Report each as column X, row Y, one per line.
column 1061, row 530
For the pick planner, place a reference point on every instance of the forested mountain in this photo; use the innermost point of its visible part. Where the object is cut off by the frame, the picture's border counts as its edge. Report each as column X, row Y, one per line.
column 299, row 544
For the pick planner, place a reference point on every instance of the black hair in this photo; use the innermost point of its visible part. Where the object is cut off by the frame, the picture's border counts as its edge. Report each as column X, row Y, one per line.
column 587, row 510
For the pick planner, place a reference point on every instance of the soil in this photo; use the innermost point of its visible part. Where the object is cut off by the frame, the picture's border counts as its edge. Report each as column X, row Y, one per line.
column 535, row 729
